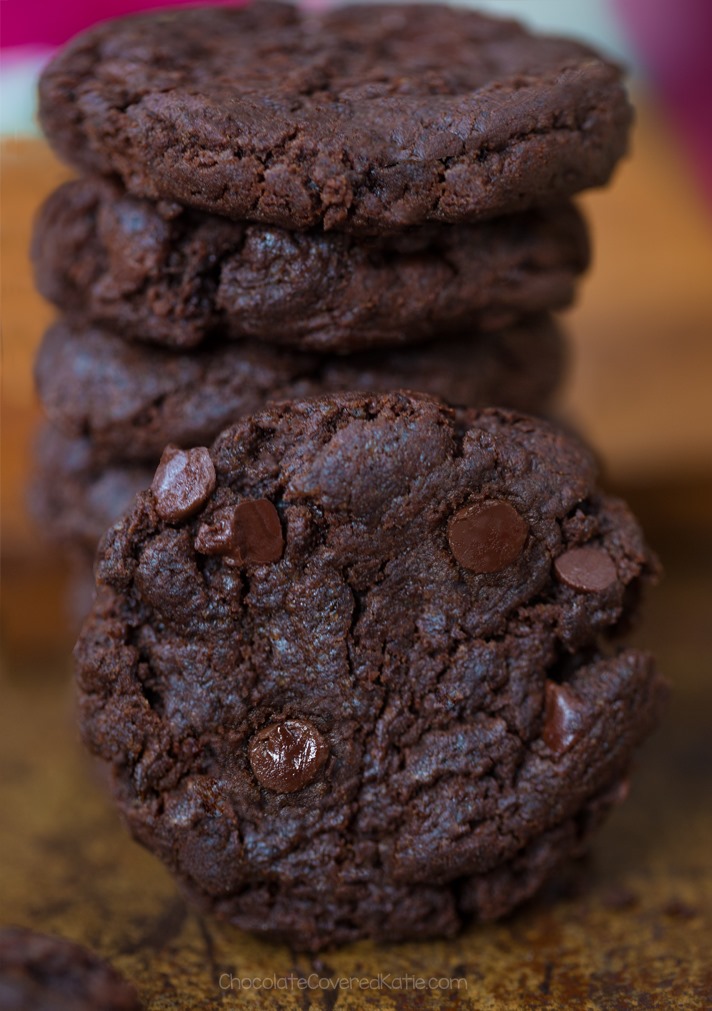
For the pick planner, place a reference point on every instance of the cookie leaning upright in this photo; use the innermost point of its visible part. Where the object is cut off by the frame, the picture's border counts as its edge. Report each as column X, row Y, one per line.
column 347, row 665
column 367, row 119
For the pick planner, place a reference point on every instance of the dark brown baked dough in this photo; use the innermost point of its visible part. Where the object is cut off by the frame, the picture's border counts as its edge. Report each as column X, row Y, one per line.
column 175, row 277
column 365, row 118
column 42, row 972
column 131, row 400
column 73, row 496
column 383, row 730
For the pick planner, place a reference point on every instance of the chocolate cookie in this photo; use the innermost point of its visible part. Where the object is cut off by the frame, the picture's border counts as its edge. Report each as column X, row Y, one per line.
column 39, row 972
column 363, row 118
column 73, row 496
column 175, row 277
column 347, row 676
column 131, row 400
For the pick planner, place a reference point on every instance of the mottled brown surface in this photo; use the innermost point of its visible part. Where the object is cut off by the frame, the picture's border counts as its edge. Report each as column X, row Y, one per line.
column 628, row 929
column 644, row 316
column 423, row 668
column 131, row 400
column 634, row 932
column 178, row 278
column 358, row 120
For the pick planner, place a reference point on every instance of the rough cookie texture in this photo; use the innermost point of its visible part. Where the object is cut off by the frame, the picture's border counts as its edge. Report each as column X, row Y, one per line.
column 73, row 496
column 175, row 277
column 39, row 972
column 131, row 400
column 365, row 737
column 362, row 118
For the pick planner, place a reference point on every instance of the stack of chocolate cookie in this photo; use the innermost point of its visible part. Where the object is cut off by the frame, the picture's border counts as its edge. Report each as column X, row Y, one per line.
column 345, row 663
column 372, row 217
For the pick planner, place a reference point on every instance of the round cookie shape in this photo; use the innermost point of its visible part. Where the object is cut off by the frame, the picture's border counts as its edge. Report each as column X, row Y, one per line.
column 358, row 119
column 178, row 277
column 363, row 737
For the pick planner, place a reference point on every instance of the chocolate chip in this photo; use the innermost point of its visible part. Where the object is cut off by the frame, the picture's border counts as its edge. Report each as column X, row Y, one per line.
column 258, row 532
column 487, row 537
column 217, row 536
column 184, row 480
column 562, row 718
column 286, row 756
column 589, row 570
column 248, row 533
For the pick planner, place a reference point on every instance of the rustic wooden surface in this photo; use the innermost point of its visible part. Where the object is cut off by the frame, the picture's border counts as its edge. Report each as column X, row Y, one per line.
column 629, row 928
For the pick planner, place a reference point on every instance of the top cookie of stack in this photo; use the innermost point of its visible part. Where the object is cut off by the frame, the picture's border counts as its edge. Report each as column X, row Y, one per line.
column 443, row 145
column 364, row 119
column 405, row 128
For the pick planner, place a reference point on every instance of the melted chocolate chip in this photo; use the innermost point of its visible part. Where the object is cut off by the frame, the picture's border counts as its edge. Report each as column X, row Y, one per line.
column 487, row 537
column 184, row 480
column 562, row 718
column 589, row 570
column 286, row 756
column 258, row 532
column 248, row 533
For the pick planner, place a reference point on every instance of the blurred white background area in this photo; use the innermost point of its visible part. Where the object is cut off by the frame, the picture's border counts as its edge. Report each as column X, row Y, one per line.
column 592, row 21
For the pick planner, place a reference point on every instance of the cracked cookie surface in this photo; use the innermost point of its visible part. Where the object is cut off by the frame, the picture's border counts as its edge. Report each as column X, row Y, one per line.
column 177, row 277
column 366, row 119
column 342, row 685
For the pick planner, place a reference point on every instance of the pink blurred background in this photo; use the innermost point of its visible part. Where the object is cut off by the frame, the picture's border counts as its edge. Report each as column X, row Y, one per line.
column 27, row 23
column 674, row 41
column 668, row 40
